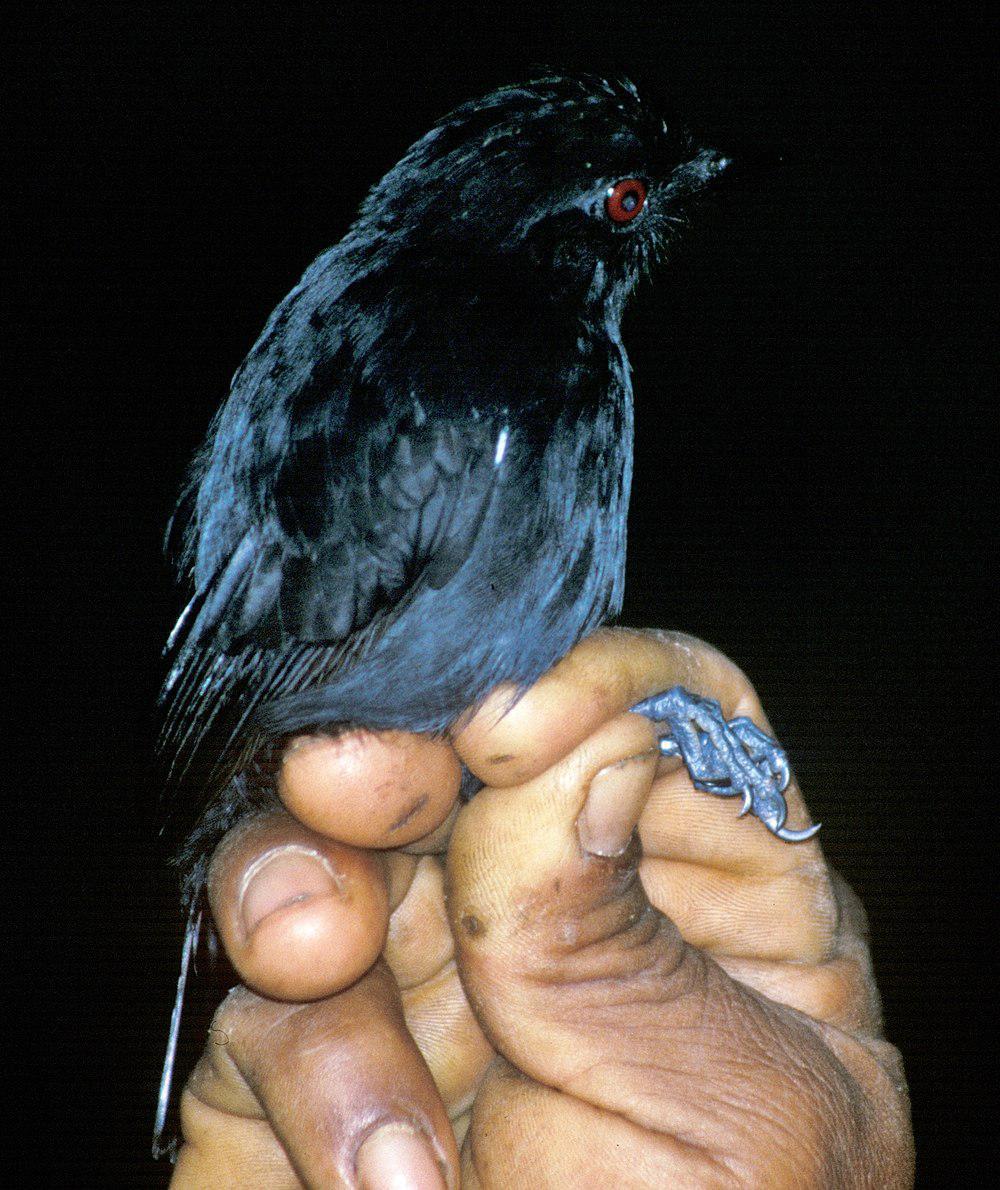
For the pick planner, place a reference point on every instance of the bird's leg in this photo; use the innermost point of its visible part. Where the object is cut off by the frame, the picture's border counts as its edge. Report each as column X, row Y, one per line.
column 729, row 759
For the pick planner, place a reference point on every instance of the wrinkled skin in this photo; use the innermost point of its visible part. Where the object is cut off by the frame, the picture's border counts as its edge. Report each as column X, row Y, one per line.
column 555, row 1001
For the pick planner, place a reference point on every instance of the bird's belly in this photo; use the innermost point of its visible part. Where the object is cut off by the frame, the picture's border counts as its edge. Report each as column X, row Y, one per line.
column 543, row 572
column 502, row 619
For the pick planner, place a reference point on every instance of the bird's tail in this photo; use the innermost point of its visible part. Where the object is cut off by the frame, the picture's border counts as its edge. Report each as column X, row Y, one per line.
column 168, row 1148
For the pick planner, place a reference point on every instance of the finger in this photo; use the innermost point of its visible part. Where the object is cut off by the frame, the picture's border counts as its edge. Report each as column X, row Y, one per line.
column 793, row 933
column 420, row 951
column 585, row 987
column 506, row 744
column 535, row 918
column 705, row 830
column 332, row 1093
column 300, row 915
column 525, row 1134
column 773, row 915
column 838, row 987
column 728, row 884
column 370, row 789
column 508, row 741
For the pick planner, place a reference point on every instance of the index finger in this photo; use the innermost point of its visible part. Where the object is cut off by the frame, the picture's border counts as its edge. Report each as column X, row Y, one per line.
column 509, row 742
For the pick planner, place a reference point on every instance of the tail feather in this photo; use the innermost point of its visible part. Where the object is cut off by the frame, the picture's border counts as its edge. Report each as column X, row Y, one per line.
column 163, row 1148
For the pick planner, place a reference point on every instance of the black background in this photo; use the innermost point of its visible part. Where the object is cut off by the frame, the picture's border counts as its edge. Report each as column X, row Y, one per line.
column 811, row 478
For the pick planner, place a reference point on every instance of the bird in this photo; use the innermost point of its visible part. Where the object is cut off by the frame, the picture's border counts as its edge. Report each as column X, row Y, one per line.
column 417, row 487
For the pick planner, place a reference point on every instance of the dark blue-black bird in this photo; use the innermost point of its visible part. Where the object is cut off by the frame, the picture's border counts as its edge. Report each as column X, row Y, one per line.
column 418, row 486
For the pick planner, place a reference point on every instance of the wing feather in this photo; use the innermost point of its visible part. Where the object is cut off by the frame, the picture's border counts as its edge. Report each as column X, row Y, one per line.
column 281, row 614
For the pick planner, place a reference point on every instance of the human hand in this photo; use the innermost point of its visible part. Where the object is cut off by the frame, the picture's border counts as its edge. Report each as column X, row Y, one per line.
column 698, row 1012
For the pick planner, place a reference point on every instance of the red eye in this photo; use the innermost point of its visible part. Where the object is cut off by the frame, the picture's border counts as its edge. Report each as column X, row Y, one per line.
column 625, row 200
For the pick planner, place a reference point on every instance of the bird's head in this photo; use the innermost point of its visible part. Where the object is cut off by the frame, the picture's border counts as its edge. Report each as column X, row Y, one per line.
column 568, row 185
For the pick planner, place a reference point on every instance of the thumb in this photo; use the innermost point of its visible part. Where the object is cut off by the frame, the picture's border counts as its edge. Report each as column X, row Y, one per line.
column 585, row 987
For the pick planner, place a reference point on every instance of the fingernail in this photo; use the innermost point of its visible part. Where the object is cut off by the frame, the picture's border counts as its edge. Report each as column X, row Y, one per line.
column 615, row 801
column 396, row 1158
column 283, row 877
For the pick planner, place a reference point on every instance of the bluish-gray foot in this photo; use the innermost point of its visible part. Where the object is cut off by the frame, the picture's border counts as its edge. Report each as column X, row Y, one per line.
column 729, row 759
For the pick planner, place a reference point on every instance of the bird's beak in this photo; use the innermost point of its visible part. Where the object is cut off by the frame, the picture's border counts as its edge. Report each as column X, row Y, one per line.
column 713, row 167
column 700, row 172
column 752, row 165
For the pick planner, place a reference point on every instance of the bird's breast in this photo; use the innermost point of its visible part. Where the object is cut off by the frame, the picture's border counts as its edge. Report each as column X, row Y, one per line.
column 550, row 566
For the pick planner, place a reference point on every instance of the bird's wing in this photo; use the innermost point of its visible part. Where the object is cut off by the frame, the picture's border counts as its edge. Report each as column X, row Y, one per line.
column 333, row 563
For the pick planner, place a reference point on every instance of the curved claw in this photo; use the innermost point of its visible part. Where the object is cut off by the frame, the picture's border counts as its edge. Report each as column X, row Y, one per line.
column 790, row 836
column 747, row 803
column 783, row 773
